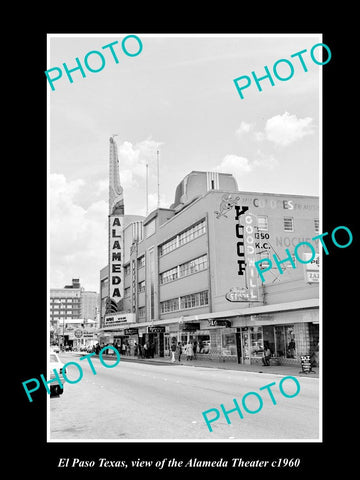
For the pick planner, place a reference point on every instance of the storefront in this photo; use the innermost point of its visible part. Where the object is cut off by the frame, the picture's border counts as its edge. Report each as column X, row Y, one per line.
column 242, row 338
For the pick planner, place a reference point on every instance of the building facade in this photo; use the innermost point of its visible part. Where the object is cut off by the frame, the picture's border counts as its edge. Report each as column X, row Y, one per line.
column 72, row 303
column 189, row 275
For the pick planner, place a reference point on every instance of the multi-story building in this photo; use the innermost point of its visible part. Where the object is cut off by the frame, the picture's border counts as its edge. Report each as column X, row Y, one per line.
column 189, row 274
column 72, row 302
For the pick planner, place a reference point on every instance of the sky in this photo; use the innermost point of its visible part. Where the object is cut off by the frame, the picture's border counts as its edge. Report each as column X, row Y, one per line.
column 178, row 97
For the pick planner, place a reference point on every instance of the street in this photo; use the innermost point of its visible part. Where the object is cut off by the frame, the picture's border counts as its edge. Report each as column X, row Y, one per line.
column 135, row 401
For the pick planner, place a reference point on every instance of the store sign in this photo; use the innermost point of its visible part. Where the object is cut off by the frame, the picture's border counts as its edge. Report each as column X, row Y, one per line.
column 190, row 327
column 78, row 333
column 131, row 331
column 249, row 240
column 245, row 249
column 134, row 282
column 237, row 294
column 114, row 320
column 156, row 329
column 312, row 269
column 219, row 323
column 116, row 280
column 306, row 363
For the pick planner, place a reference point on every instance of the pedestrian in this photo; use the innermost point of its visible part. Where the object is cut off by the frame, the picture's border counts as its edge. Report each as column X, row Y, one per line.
column 123, row 348
column 179, row 348
column 173, row 350
column 291, row 349
column 189, row 351
column 195, row 349
column 152, row 349
column 146, row 349
column 266, row 357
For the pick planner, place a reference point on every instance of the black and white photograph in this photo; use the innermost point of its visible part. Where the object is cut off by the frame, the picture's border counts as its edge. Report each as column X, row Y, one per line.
column 184, row 228
column 186, row 252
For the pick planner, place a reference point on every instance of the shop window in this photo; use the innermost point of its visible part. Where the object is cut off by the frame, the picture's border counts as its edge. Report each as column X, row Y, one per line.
column 228, row 342
column 290, row 341
column 256, row 342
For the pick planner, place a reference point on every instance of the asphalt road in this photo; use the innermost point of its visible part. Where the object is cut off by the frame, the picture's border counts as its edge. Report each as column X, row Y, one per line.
column 135, row 401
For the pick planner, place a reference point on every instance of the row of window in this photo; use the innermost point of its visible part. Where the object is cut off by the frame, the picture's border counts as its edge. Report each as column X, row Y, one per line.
column 193, row 300
column 193, row 266
column 182, row 238
column 200, row 229
column 183, row 270
column 288, row 224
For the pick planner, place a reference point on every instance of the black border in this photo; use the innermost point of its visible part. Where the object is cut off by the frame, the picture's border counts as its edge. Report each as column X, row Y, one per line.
column 339, row 167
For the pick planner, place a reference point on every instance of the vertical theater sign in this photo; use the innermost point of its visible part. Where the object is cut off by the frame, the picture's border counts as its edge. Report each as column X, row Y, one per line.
column 116, row 222
column 245, row 231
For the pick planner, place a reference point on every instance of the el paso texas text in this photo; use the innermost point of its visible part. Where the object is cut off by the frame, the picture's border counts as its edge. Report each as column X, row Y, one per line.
column 174, row 463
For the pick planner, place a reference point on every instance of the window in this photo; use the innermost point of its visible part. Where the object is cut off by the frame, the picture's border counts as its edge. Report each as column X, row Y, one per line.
column 141, row 312
column 194, row 300
column 169, row 305
column 127, row 292
column 316, row 225
column 187, row 301
column 183, row 238
column 288, row 224
column 141, row 261
column 262, row 223
column 169, row 275
column 193, row 266
column 127, row 269
column 192, row 233
column 141, row 286
column 168, row 246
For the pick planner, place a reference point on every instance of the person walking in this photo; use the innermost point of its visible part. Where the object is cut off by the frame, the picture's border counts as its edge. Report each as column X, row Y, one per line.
column 266, row 357
column 189, row 351
column 179, row 349
column 173, row 350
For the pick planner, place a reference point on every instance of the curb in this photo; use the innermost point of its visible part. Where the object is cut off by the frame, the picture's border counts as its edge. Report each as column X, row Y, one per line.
column 275, row 370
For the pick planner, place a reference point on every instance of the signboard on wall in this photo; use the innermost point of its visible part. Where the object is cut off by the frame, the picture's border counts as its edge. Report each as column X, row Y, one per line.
column 120, row 319
column 190, row 327
column 312, row 269
column 116, row 280
column 156, row 329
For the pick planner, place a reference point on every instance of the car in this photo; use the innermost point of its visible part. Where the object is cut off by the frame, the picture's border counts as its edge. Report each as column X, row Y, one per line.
column 56, row 364
column 55, row 348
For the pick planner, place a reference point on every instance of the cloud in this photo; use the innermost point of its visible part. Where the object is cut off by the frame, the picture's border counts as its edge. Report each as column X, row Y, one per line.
column 78, row 235
column 133, row 160
column 234, row 164
column 244, row 128
column 238, row 165
column 286, row 129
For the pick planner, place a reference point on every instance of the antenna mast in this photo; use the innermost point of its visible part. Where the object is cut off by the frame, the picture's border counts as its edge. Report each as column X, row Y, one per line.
column 147, row 188
column 158, row 180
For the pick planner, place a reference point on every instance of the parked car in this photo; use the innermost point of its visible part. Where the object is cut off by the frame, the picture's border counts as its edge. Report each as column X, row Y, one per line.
column 56, row 363
column 55, row 348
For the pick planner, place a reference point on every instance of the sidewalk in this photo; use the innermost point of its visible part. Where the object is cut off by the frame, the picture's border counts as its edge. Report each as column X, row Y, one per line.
column 226, row 365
